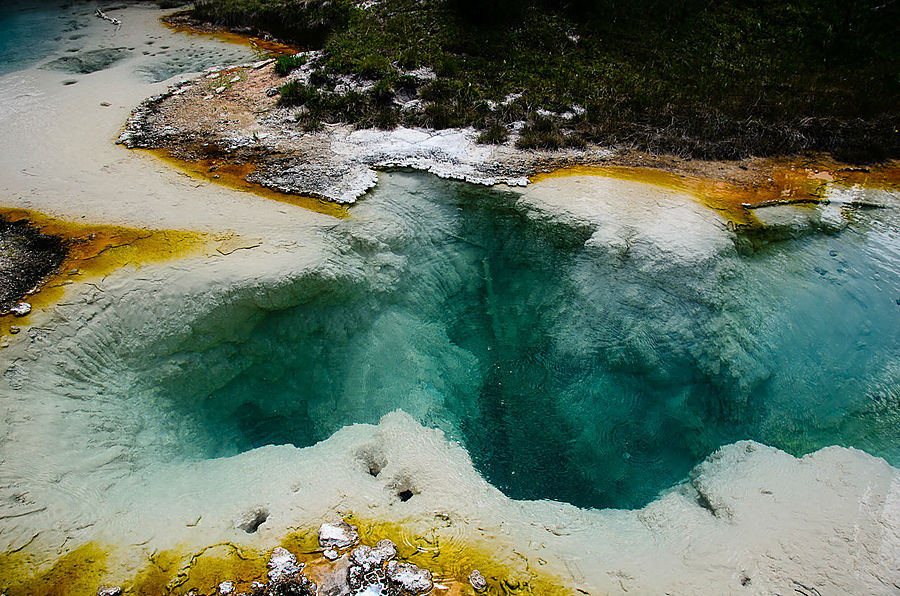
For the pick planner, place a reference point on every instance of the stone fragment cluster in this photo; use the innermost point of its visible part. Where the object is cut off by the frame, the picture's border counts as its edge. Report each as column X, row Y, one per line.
column 363, row 571
column 368, row 570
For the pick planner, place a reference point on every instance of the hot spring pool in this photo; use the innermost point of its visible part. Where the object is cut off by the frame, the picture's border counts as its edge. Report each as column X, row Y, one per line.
column 566, row 371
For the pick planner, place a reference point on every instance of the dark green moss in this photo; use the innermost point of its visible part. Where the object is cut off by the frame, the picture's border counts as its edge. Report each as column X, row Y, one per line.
column 27, row 257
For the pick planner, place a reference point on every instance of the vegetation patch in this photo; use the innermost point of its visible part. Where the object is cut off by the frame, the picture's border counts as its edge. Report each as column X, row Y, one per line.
column 285, row 64
column 692, row 78
column 307, row 23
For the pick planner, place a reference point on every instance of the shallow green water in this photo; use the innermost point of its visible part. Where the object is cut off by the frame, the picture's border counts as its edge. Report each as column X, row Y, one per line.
column 567, row 375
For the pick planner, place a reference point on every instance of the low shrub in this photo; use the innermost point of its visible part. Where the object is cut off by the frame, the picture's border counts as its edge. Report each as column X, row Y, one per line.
column 383, row 91
column 285, row 64
column 374, row 67
column 296, row 93
column 318, row 78
column 387, row 118
column 495, row 134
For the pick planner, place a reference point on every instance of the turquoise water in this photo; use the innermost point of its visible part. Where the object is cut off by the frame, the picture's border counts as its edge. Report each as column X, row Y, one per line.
column 31, row 30
column 565, row 374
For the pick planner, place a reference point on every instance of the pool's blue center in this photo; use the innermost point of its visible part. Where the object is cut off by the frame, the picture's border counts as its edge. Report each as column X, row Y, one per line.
column 569, row 376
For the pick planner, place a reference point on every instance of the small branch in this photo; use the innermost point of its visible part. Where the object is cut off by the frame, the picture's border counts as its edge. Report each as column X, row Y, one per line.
column 23, row 513
column 780, row 202
column 100, row 14
column 777, row 202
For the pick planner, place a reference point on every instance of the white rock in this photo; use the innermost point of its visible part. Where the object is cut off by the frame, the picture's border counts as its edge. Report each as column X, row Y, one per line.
column 282, row 564
column 331, row 554
column 423, row 74
column 226, row 588
column 408, row 577
column 477, row 580
column 21, row 309
column 371, row 558
column 109, row 591
column 337, row 535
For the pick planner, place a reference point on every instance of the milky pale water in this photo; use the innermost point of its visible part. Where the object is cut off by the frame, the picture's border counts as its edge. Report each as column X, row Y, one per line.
column 566, row 374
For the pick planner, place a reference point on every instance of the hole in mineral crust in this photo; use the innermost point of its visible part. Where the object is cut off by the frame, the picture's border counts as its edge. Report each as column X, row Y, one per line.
column 404, row 488
column 253, row 519
column 373, row 460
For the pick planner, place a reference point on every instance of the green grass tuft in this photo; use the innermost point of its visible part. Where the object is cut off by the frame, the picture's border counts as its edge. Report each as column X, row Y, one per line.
column 495, row 134
column 285, row 64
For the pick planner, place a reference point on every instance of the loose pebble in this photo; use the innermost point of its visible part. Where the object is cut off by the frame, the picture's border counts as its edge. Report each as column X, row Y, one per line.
column 21, row 309
column 338, row 535
column 477, row 580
